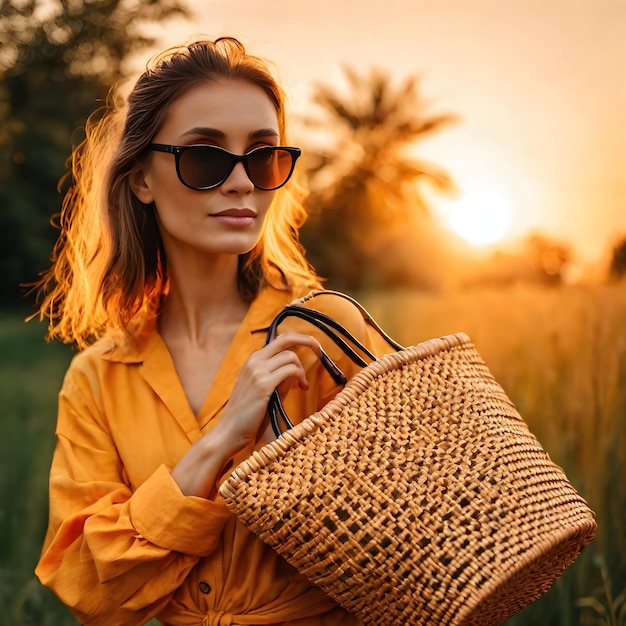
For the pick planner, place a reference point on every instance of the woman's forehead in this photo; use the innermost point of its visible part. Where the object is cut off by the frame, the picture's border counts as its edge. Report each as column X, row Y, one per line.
column 223, row 108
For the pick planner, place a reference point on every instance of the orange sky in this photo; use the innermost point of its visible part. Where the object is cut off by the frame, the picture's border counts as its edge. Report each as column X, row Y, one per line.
column 540, row 86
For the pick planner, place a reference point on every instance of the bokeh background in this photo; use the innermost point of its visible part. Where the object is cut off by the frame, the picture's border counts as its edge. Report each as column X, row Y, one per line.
column 466, row 168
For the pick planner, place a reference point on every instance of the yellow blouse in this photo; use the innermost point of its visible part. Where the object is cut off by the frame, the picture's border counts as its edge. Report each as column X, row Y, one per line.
column 123, row 544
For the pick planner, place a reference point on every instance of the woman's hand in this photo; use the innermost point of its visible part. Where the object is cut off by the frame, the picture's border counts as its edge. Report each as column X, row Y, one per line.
column 264, row 370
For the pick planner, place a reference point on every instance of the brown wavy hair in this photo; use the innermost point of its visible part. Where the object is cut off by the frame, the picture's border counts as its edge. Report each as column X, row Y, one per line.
column 109, row 270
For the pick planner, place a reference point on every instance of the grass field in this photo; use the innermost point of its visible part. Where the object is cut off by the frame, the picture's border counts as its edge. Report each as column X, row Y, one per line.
column 31, row 372
column 559, row 353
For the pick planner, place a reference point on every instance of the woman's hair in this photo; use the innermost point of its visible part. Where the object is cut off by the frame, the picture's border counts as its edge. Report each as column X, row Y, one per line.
column 109, row 270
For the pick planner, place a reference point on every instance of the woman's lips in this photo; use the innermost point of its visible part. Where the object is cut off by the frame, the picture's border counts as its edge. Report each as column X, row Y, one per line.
column 235, row 217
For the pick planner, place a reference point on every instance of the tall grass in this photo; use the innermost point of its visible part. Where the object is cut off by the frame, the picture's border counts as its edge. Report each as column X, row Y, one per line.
column 31, row 372
column 559, row 353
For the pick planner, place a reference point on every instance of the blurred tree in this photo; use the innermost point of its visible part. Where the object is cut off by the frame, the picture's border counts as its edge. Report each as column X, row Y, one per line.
column 618, row 260
column 549, row 259
column 368, row 216
column 58, row 59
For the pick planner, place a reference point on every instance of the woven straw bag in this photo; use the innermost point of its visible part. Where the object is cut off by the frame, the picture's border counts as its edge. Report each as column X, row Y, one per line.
column 417, row 495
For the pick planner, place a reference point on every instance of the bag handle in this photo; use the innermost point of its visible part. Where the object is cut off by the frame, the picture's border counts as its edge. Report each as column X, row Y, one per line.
column 339, row 334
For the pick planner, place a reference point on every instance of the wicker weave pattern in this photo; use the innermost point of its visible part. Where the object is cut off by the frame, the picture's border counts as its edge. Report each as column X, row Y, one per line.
column 417, row 496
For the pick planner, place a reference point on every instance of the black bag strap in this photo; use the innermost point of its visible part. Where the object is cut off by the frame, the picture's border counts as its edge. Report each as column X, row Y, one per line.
column 364, row 312
column 339, row 334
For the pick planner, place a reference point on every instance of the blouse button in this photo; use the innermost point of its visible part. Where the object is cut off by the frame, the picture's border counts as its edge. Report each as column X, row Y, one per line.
column 204, row 587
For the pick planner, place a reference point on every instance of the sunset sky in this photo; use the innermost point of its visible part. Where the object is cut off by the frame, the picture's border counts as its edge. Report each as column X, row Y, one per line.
column 539, row 85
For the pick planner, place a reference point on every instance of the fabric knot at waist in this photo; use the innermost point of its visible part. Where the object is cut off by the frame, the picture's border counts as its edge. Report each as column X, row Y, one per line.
column 218, row 618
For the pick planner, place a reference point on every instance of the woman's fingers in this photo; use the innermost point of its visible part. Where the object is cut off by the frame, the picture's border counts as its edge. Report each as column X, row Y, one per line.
column 285, row 363
column 292, row 340
column 279, row 363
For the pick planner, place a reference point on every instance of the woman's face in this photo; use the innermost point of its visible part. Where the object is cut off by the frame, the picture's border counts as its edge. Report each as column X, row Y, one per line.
column 228, row 219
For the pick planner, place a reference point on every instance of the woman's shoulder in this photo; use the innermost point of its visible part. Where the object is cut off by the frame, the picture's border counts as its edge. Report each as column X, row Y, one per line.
column 100, row 355
column 343, row 309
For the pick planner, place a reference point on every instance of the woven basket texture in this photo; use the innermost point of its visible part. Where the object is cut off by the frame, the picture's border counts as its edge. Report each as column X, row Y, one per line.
column 417, row 496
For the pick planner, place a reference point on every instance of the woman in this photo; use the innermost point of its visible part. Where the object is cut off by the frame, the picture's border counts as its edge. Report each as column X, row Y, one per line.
column 178, row 246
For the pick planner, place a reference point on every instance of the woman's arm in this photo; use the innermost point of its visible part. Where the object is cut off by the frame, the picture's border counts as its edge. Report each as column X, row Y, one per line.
column 114, row 555
column 111, row 555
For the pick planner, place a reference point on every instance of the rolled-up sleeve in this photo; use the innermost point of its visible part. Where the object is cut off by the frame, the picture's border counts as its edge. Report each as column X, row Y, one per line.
column 182, row 523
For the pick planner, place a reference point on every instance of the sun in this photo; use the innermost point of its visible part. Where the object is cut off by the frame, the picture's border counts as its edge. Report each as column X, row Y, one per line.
column 482, row 215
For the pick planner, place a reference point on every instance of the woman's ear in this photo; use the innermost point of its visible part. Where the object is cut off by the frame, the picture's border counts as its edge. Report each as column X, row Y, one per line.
column 140, row 187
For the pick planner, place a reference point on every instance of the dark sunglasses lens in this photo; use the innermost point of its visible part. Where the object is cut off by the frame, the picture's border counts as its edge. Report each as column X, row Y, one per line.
column 204, row 166
column 269, row 168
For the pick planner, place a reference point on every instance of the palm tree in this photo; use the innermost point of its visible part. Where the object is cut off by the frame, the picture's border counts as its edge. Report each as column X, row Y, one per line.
column 365, row 200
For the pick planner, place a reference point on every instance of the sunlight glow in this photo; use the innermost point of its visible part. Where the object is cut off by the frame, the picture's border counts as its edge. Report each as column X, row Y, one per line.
column 482, row 215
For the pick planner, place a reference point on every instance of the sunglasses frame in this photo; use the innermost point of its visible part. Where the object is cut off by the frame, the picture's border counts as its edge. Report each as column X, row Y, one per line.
column 177, row 151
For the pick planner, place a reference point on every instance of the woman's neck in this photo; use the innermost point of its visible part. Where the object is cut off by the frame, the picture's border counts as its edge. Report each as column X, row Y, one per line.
column 201, row 296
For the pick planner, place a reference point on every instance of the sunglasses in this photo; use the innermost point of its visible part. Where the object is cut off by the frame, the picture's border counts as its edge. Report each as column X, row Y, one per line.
column 202, row 167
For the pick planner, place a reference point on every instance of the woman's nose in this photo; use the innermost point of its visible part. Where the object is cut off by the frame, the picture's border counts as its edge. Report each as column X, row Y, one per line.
column 238, row 181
